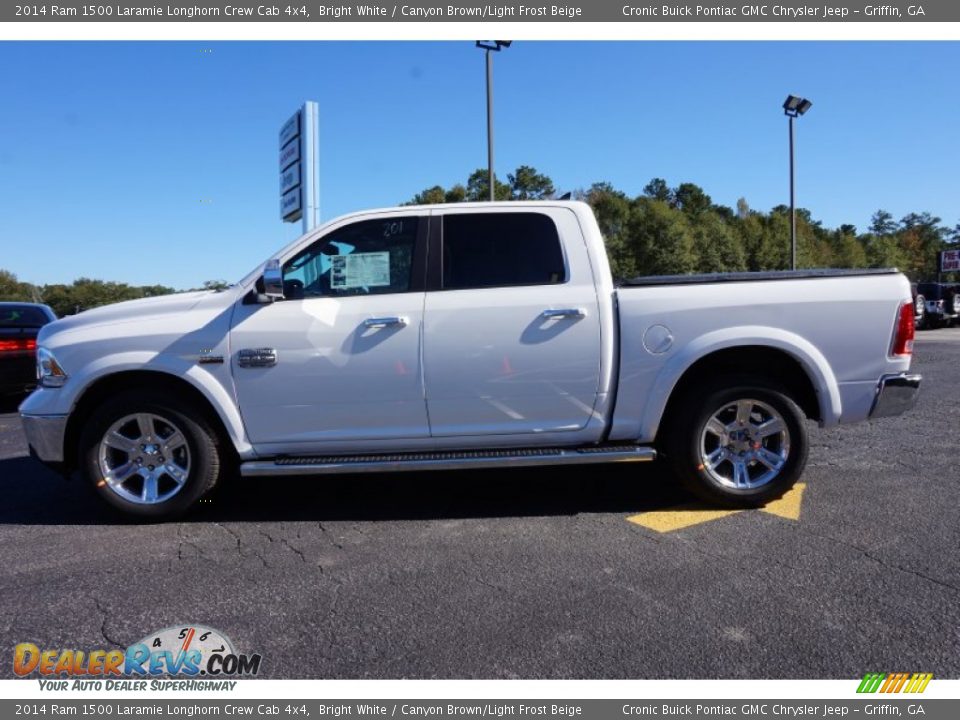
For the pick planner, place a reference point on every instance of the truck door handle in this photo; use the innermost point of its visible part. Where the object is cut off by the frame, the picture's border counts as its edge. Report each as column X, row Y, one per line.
column 380, row 322
column 564, row 313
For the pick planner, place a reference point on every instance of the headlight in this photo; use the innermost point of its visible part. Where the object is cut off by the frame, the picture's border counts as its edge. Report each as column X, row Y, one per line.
column 49, row 372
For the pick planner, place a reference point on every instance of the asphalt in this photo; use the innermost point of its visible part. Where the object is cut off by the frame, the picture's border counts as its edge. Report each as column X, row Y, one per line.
column 520, row 574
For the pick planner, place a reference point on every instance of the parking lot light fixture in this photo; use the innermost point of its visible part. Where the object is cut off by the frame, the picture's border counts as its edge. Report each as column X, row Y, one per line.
column 794, row 107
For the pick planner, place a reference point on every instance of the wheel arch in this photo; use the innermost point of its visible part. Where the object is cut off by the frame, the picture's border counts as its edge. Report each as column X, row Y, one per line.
column 789, row 360
column 105, row 386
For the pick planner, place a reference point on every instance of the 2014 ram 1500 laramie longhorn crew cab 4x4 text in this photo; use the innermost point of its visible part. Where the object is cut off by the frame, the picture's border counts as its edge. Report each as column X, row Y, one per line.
column 466, row 335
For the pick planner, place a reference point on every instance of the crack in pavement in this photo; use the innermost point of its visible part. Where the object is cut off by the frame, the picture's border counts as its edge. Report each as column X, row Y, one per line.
column 240, row 545
column 330, row 537
column 103, row 624
column 297, row 551
column 870, row 556
column 476, row 563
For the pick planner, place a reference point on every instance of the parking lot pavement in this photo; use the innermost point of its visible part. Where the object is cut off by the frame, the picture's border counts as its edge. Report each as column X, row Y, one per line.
column 522, row 573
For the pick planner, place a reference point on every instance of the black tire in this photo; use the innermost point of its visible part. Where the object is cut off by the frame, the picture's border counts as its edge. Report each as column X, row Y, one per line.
column 920, row 312
column 685, row 436
column 201, row 448
column 953, row 303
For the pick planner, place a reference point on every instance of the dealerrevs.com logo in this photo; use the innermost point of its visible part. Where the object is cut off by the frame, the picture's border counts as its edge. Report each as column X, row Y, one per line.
column 186, row 651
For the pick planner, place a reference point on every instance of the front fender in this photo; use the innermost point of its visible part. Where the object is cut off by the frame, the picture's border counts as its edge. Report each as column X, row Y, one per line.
column 63, row 401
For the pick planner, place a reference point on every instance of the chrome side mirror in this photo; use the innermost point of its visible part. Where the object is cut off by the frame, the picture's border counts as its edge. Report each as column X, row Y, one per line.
column 273, row 280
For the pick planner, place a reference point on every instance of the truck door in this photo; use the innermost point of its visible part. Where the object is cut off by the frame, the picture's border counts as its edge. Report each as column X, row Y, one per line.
column 338, row 359
column 511, row 324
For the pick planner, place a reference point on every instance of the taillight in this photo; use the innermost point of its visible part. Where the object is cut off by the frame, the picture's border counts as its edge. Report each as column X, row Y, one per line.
column 903, row 337
column 18, row 345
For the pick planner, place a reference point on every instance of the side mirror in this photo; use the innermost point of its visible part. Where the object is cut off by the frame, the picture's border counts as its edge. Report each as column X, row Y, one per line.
column 273, row 280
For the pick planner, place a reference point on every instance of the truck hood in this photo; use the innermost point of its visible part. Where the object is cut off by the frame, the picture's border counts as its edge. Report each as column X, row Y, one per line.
column 139, row 311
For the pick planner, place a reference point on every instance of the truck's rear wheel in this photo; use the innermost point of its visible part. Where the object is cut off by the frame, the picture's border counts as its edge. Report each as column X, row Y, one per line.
column 150, row 455
column 737, row 442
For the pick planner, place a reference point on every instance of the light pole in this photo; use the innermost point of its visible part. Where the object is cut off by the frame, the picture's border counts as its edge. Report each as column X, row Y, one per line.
column 488, row 46
column 794, row 107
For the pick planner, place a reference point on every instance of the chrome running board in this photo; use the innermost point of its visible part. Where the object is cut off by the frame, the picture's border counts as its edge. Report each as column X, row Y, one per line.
column 445, row 460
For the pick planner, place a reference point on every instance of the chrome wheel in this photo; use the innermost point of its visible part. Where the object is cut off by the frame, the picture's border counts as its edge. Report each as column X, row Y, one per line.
column 744, row 445
column 144, row 458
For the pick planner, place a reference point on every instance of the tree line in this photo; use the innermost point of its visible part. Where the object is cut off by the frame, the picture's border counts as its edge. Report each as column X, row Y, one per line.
column 677, row 230
column 663, row 231
column 83, row 293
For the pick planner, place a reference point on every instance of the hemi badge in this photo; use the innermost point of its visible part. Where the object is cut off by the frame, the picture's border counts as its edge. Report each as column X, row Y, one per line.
column 207, row 359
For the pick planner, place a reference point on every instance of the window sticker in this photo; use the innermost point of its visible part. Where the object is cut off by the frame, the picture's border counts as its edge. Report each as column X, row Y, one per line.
column 360, row 270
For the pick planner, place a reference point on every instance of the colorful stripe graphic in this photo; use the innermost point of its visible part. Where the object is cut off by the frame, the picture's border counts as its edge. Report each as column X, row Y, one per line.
column 894, row 682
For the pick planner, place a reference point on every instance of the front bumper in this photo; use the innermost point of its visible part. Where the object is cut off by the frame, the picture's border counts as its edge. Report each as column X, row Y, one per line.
column 45, row 435
column 896, row 394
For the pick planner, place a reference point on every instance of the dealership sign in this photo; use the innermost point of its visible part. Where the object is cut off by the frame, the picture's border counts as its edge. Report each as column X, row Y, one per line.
column 950, row 261
column 299, row 186
column 289, row 178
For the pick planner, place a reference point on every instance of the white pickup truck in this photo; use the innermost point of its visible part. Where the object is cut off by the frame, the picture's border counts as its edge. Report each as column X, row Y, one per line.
column 468, row 335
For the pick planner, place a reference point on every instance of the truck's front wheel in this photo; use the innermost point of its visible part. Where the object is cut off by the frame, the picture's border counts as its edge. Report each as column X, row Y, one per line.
column 149, row 455
column 737, row 442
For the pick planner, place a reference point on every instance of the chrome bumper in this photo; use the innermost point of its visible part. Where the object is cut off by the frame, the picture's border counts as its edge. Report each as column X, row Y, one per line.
column 895, row 394
column 45, row 434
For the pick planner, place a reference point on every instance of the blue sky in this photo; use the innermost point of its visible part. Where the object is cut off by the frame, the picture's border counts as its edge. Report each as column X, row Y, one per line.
column 156, row 162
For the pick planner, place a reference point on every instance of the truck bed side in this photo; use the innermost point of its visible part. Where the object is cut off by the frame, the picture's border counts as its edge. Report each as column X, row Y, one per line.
column 837, row 325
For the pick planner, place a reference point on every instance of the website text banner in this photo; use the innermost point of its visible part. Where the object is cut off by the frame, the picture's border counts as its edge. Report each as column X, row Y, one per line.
column 458, row 709
column 638, row 11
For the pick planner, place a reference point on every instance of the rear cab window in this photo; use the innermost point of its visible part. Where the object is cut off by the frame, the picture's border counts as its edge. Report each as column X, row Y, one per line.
column 486, row 250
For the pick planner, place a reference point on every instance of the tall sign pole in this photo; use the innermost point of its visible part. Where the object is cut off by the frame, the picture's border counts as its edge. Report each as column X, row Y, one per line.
column 300, row 167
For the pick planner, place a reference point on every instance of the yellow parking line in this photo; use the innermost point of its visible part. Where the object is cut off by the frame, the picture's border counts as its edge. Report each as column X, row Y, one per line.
column 677, row 518
column 787, row 506
column 690, row 514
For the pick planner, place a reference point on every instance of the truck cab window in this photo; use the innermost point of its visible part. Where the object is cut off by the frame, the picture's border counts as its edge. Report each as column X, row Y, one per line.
column 365, row 258
column 500, row 250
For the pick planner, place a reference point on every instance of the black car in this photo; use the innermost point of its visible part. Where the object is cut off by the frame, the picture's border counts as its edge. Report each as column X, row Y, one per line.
column 19, row 325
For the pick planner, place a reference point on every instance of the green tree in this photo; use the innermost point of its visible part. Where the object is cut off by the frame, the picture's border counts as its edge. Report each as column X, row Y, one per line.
column 611, row 207
column 660, row 238
column 716, row 246
column 12, row 289
column 437, row 194
column 883, row 251
column 86, row 293
column 691, row 199
column 478, row 186
column 430, row 196
column 882, row 223
column 527, row 184
column 847, row 250
column 765, row 240
column 658, row 190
